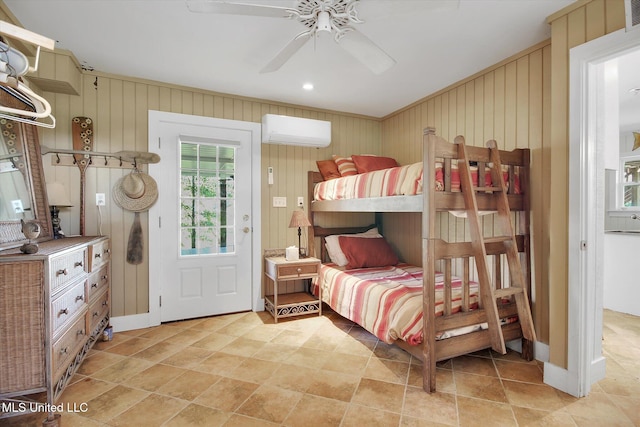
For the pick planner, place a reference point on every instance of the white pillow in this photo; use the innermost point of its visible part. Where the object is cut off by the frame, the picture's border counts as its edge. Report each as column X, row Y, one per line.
column 333, row 245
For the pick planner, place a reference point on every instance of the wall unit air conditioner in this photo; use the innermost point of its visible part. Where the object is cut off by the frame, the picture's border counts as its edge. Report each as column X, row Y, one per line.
column 288, row 130
column 632, row 14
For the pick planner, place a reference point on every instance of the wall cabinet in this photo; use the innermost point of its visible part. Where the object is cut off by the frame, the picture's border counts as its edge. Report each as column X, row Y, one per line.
column 54, row 305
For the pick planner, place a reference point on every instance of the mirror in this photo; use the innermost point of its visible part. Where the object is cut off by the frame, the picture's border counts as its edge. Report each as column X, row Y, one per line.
column 14, row 177
column 22, row 184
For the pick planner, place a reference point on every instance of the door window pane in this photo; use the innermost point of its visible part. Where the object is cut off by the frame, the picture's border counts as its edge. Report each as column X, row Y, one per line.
column 207, row 204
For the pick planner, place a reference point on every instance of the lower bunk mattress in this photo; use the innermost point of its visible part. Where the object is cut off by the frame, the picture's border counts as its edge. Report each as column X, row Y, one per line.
column 387, row 301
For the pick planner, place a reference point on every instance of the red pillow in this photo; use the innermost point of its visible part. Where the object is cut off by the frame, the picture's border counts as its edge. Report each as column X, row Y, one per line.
column 364, row 252
column 328, row 169
column 345, row 166
column 373, row 163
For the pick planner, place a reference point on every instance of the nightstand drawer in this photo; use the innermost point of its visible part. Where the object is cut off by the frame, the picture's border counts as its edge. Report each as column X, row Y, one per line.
column 297, row 271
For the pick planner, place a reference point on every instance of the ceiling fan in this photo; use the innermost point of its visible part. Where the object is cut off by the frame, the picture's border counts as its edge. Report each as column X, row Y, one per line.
column 330, row 16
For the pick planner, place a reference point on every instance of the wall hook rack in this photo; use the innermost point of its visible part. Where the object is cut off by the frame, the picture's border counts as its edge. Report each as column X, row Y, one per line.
column 119, row 159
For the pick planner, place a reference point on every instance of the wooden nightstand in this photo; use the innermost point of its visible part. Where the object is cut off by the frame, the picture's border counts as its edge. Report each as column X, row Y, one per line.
column 278, row 269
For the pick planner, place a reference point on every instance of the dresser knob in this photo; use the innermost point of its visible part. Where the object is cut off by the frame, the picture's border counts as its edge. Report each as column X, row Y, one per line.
column 63, row 271
column 80, row 332
column 64, row 350
column 105, row 277
column 98, row 256
column 94, row 285
column 78, row 264
column 79, row 298
column 63, row 311
column 299, row 270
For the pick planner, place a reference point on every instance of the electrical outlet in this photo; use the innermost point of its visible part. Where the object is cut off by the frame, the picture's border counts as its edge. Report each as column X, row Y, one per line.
column 279, row 202
column 300, row 201
column 100, row 199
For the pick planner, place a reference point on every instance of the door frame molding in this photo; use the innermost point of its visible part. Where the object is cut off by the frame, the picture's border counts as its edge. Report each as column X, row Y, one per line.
column 155, row 119
column 585, row 362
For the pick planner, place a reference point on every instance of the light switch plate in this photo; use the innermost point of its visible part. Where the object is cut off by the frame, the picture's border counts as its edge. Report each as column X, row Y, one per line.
column 279, row 202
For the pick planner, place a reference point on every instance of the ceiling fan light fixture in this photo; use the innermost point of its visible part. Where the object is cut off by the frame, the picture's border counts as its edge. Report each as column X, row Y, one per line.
column 324, row 22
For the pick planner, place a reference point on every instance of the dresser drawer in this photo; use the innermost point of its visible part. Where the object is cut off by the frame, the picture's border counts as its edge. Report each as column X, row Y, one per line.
column 97, row 282
column 65, row 348
column 99, row 254
column 67, row 305
column 65, row 268
column 97, row 311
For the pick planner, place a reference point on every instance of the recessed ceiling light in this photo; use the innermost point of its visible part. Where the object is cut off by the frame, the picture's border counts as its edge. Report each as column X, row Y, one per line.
column 307, row 86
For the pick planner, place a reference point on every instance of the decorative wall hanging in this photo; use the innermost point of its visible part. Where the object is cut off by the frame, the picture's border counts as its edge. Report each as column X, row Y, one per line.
column 636, row 143
column 82, row 130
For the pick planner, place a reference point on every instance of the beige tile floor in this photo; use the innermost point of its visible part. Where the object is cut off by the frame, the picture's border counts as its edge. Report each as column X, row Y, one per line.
column 244, row 370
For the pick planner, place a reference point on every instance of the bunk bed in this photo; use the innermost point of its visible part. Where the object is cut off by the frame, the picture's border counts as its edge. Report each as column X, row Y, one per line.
column 452, row 319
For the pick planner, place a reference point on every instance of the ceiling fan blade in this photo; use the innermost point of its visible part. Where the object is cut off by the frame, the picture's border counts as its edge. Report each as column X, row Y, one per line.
column 222, row 7
column 287, row 52
column 365, row 51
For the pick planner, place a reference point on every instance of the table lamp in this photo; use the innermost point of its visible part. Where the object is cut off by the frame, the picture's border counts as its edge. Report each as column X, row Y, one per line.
column 299, row 219
column 58, row 198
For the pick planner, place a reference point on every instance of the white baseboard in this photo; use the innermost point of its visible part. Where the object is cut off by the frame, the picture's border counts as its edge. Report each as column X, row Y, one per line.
column 129, row 323
column 541, row 351
column 561, row 379
column 144, row 320
column 598, row 369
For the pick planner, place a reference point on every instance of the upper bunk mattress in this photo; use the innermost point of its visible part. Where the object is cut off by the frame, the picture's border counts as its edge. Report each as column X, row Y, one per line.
column 399, row 181
column 404, row 180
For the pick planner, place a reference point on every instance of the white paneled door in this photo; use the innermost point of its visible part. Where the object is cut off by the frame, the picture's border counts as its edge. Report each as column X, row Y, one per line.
column 203, row 214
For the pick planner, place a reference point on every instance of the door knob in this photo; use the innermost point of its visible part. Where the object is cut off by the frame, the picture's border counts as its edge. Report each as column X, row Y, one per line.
column 246, row 229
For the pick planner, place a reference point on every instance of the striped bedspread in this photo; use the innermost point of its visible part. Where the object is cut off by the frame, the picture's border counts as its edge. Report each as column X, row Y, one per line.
column 386, row 301
column 399, row 181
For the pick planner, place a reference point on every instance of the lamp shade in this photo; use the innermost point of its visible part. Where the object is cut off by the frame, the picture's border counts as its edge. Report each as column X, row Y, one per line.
column 299, row 219
column 57, row 195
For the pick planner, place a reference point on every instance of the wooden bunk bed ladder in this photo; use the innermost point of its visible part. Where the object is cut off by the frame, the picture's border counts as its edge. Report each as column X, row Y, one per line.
column 489, row 293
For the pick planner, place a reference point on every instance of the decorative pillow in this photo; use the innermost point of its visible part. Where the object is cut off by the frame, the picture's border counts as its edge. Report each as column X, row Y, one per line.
column 333, row 245
column 363, row 252
column 346, row 167
column 373, row 163
column 328, row 169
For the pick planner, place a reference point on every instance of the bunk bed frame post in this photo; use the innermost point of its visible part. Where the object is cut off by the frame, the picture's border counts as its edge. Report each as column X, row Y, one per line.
column 428, row 262
column 524, row 229
column 311, row 236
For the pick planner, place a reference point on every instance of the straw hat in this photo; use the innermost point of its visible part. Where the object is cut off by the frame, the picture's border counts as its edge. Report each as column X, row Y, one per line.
column 135, row 192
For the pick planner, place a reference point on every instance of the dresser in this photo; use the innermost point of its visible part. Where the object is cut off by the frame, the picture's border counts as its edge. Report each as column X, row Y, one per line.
column 54, row 305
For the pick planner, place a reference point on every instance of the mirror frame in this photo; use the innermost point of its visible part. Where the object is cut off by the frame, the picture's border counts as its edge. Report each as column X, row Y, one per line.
column 10, row 231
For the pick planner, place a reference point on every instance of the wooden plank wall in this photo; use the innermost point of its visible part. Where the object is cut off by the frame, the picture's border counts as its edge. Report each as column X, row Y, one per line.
column 508, row 102
column 119, row 107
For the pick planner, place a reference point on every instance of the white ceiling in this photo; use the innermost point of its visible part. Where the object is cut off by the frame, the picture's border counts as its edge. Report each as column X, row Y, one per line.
column 435, row 43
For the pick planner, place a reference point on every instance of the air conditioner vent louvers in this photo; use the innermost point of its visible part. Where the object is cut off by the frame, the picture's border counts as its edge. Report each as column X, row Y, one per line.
column 632, row 10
